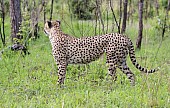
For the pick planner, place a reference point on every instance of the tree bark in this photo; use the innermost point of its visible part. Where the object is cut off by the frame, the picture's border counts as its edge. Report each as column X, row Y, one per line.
column 44, row 9
column 165, row 20
column 168, row 7
column 34, row 19
column 157, row 7
column 146, row 9
column 120, row 14
column 98, row 4
column 114, row 17
column 2, row 32
column 15, row 17
column 25, row 5
column 124, row 16
column 51, row 12
column 130, row 11
column 139, row 39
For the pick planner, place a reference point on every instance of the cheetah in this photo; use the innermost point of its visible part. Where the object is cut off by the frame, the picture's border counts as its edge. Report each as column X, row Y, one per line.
column 71, row 50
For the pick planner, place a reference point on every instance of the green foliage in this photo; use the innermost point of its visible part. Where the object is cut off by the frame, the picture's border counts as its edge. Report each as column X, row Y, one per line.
column 164, row 3
column 83, row 9
column 161, row 24
column 6, row 6
column 25, row 30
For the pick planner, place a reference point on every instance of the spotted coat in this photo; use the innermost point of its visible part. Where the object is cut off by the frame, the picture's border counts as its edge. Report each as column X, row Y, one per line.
column 70, row 50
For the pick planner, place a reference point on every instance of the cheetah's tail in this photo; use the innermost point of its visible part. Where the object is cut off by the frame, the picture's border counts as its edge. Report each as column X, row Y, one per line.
column 133, row 59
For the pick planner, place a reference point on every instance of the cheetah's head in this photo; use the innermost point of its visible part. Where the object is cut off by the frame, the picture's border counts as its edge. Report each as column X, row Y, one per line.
column 50, row 26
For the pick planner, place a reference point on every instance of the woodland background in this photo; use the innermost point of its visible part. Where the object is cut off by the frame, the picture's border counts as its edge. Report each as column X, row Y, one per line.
column 29, row 73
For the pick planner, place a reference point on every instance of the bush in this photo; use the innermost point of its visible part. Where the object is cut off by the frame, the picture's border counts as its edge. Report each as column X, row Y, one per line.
column 164, row 4
column 83, row 9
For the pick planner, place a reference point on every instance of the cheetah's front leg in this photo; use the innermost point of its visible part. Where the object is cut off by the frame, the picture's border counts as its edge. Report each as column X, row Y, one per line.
column 61, row 73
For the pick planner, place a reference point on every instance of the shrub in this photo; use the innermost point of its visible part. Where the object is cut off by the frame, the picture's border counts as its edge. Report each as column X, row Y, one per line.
column 83, row 9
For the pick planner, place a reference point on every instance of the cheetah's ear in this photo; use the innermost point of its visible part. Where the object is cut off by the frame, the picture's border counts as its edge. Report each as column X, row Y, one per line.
column 49, row 24
column 58, row 22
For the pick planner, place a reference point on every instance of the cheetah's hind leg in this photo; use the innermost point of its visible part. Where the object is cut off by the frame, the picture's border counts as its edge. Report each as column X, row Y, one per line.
column 125, row 69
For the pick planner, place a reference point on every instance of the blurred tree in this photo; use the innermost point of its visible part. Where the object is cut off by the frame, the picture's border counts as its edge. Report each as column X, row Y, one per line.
column 30, row 16
column 164, row 3
column 165, row 26
column 15, row 17
column 35, row 13
column 44, row 9
column 2, row 20
column 139, row 39
column 83, row 9
column 120, row 15
column 114, row 16
column 157, row 7
column 98, row 15
column 124, row 16
column 51, row 11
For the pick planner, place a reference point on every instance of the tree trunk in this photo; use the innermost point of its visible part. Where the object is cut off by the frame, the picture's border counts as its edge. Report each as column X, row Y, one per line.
column 151, row 5
column 51, row 12
column 34, row 18
column 124, row 16
column 114, row 17
column 165, row 20
column 157, row 7
column 15, row 17
column 44, row 9
column 120, row 14
column 146, row 10
column 2, row 32
column 98, row 4
column 168, row 7
column 25, row 5
column 139, row 39
column 130, row 11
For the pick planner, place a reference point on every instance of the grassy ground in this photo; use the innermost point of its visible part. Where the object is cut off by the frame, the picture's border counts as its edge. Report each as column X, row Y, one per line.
column 30, row 81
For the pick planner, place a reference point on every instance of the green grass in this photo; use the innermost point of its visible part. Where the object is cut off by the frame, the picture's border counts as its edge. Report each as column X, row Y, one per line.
column 30, row 81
